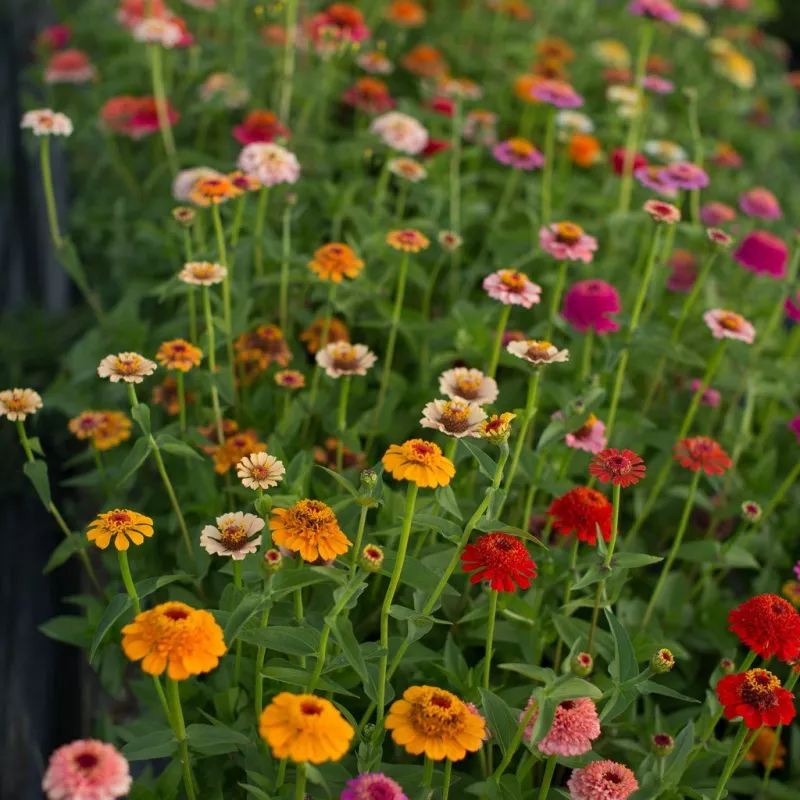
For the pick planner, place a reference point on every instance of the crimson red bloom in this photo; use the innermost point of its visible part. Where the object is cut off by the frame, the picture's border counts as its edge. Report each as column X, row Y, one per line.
column 582, row 510
column 700, row 452
column 757, row 697
column 500, row 559
column 134, row 116
column 618, row 161
column 441, row 105
column 768, row 625
column 622, row 468
column 434, row 146
column 260, row 126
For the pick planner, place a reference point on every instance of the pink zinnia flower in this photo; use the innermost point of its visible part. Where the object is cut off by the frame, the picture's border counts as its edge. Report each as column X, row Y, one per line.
column 372, row 786
column 518, row 153
column 729, row 325
column 764, row 253
column 655, row 9
column 269, row 163
column 717, row 213
column 54, row 37
column 512, row 288
column 590, row 437
column 588, row 304
column 445, row 106
column 760, row 202
column 86, row 769
column 602, row 780
column 651, row 177
column 260, row 126
column 684, row 271
column 685, row 175
column 719, row 237
column 556, row 93
column 797, row 570
column 574, row 727
column 711, row 397
column 794, row 427
column 69, row 66
column 663, row 212
column 657, row 84
column 567, row 241
column 792, row 307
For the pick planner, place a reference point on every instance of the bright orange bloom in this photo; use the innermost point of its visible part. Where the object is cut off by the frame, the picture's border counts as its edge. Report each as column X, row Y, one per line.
column 113, row 428
column 761, row 749
column 213, row 191
column 176, row 637
column 409, row 240
column 523, row 84
column 179, row 354
column 584, row 149
column 310, row 528
column 555, row 47
column 335, row 261
column 406, row 13
column 235, row 448
column 262, row 347
column 703, row 453
column 121, row 524
column 312, row 335
column 420, row 462
column 516, row 9
column 425, row 61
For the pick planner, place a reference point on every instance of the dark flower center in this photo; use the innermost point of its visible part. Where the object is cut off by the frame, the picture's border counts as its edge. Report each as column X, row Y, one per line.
column 87, row 761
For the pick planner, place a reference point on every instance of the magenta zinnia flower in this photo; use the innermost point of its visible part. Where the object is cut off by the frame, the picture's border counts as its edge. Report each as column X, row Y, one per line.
column 373, row 786
column 794, row 427
column 588, row 304
column 518, row 153
column 711, row 397
column 792, row 306
column 602, row 780
column 684, row 271
column 556, row 93
column 574, row 727
column 764, row 253
column 655, row 9
column 685, row 175
column 86, row 769
column 717, row 214
column 512, row 288
column 567, row 241
column 657, row 84
column 652, row 177
column 760, row 202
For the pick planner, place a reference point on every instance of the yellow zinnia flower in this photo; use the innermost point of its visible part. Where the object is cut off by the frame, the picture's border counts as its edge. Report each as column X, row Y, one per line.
column 178, row 354
column 310, row 528
column 420, row 462
column 122, row 524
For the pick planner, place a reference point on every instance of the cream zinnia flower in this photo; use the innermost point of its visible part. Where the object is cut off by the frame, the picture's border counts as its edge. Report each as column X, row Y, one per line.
column 17, row 404
column 128, row 367
column 468, row 384
column 260, row 471
column 457, row 417
column 44, row 122
column 407, row 168
column 343, row 358
column 232, row 535
column 203, row 273
column 537, row 352
column 158, row 30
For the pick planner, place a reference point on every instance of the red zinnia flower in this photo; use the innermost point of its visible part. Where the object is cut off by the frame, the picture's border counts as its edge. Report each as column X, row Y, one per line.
column 500, row 559
column 582, row 510
column 622, row 468
column 768, row 625
column 434, row 146
column 757, row 697
column 700, row 452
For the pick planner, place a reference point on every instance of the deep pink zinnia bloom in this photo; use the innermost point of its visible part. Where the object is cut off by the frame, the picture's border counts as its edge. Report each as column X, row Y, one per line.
column 657, row 84
column 86, row 769
column 717, row 213
column 760, row 202
column 602, row 780
column 54, row 37
column 574, row 727
column 339, row 22
column 588, row 304
column 441, row 105
column 655, row 9
column 711, row 397
column 434, row 147
column 260, row 126
column 794, row 427
column 651, row 178
column 684, row 271
column 556, row 93
column 567, row 241
column 518, row 153
column 792, row 306
column 764, row 253
column 685, row 175
column 373, row 786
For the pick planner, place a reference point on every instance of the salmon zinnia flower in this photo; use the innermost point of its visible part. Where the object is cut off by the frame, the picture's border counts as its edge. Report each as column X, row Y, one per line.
column 122, row 525
column 345, row 359
column 700, row 452
column 335, row 261
column 176, row 637
column 112, row 428
column 303, row 727
column 409, row 240
column 768, row 625
column 621, row 467
column 310, row 528
column 584, row 511
column 757, row 697
column 235, row 447
column 179, row 354
column 420, row 462
column 425, row 61
column 86, row 769
column 602, row 780
column 435, row 722
column 575, row 725
column 128, row 367
column 213, row 191
column 500, row 559
column 290, row 379
column 17, row 404
column 202, row 273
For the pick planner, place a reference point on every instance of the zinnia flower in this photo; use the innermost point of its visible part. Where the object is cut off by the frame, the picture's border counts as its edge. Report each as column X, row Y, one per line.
column 500, row 559
column 729, row 325
column 370, row 95
column 588, row 305
column 719, row 238
column 335, row 261
column 262, row 347
column 303, row 727
column 310, row 528
column 556, row 93
column 652, row 177
column 184, row 183
column 128, row 367
column 54, row 37
column 290, row 379
column 158, row 30
column 757, row 697
column 203, row 273
column 684, row 271
column 663, row 212
column 178, row 354
column 760, row 202
column 765, row 750
column 86, row 769
column 717, row 214
column 768, row 625
column 44, row 122
column 567, row 241
column 312, row 335
column 340, row 22
column 497, row 428
column 122, row 525
column 233, row 535
column 590, row 437
column 511, row 287
column 575, row 725
column 584, row 149
column 225, row 88
column 700, row 452
column 326, row 455
column 373, row 785
column 518, row 153
column 711, row 397
column 270, row 163
column 621, row 467
column 406, row 14
column 260, row 126
column 480, row 127
column 176, row 637
column 456, row 417
column 235, row 447
column 794, row 426
column 435, row 722
column 425, row 61
column 468, row 384
column 213, row 191
column 18, row 404
column 419, row 462
column 409, row 240
column 764, row 253
column 537, row 352
column 375, row 62
column 584, row 511
column 408, row 169
column 400, row 132
column 685, row 175
column 661, row 10
column 69, row 66
column 791, row 306
column 602, row 780
column 260, row 471
column 343, row 358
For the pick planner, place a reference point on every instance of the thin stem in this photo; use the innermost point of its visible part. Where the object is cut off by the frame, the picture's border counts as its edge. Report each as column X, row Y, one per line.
column 530, row 411
column 190, row 297
column 427, row 775
column 281, row 774
column 573, row 558
column 258, row 238
column 176, row 713
column 176, row 507
column 498, row 340
column 400, row 204
column 549, row 769
column 606, row 564
column 515, row 743
column 212, row 364
column 547, row 171
column 300, row 788
column 381, row 185
column 181, row 400
column 555, row 300
column 286, row 251
column 226, row 291
column 287, row 76
column 261, row 652
column 323, row 341
column 586, row 360
column 341, row 421
column 127, row 579
column 49, row 196
column 356, row 552
column 487, row 660
column 164, row 124
column 448, row 773
column 730, row 764
column 455, row 169
column 789, row 481
column 505, row 199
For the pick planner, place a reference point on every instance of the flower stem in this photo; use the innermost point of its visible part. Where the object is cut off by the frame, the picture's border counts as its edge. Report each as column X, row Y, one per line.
column 730, row 764
column 455, row 169
column 287, row 76
column 286, row 251
column 586, row 361
column 408, row 516
column 606, row 564
column 356, row 552
column 515, row 743
column 258, row 693
column 555, row 301
column 127, row 579
column 300, row 787
column 156, row 69
column 381, row 185
column 181, row 400
column 547, row 171
column 530, row 412
column 487, row 660
column 176, row 507
column 176, row 713
column 550, row 768
column 312, row 395
column 427, row 775
column 791, row 478
column 341, row 421
column 448, row 773
column 258, row 237
column 226, row 290
column 498, row 340
column 49, row 196
column 573, row 558
column 212, row 364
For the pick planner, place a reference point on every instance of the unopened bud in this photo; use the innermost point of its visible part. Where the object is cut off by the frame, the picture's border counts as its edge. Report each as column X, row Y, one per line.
column 751, row 511
column 369, row 478
column 728, row 666
column 582, row 665
column 662, row 661
column 183, row 215
column 497, row 428
column 371, row 558
column 272, row 561
column 663, row 744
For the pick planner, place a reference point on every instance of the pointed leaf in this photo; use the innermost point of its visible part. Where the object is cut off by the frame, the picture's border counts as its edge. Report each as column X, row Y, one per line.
column 340, row 479
column 499, row 718
column 36, row 473
column 446, row 498
column 134, row 459
column 624, row 666
column 116, row 608
column 141, row 414
column 486, row 463
column 158, row 744
column 248, row 607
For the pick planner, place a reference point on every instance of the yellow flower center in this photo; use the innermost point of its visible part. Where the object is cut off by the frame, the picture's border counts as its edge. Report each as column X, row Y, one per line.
column 520, row 147
column 439, row 715
column 128, row 366
column 513, row 280
column 568, row 232
column 313, row 514
column 586, row 428
column 234, row 537
column 455, row 417
column 759, row 688
column 468, row 388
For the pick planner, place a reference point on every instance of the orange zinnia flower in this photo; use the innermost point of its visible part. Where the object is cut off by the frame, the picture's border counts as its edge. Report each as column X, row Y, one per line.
column 262, row 347
column 406, row 13
column 761, row 749
column 312, row 335
column 179, row 354
column 409, row 240
column 420, row 462
column 113, row 428
column 121, row 524
column 425, row 61
column 584, row 149
column 523, row 84
column 176, row 637
column 335, row 261
column 310, row 528
column 555, row 47
column 213, row 191
column 327, row 456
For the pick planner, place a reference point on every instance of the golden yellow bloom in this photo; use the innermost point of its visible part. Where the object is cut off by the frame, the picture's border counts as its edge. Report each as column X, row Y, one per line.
column 16, row 404
column 409, row 240
column 121, row 524
column 497, row 428
column 420, row 462
column 312, row 335
column 176, row 637
column 762, row 747
column 435, row 722
column 179, row 354
column 335, row 261
column 213, row 191
column 736, row 67
column 113, row 428
column 303, row 727
column 290, row 379
column 310, row 528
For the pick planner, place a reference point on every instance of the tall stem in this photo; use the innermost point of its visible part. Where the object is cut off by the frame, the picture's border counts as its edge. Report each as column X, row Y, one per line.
column 530, row 411
column 157, row 71
column 127, row 580
column 176, row 507
column 287, row 77
column 226, row 291
column 176, row 713
column 515, row 743
column 555, row 300
column 789, row 481
column 427, row 774
column 258, row 693
column 326, row 325
column 547, row 172
column 448, row 773
column 286, row 252
column 49, row 195
column 730, row 764
column 487, row 660
column 606, row 564
column 549, row 769
column 212, row 365
column 498, row 340
column 341, row 421
column 258, row 232
column 181, row 400
column 300, row 787
column 362, row 520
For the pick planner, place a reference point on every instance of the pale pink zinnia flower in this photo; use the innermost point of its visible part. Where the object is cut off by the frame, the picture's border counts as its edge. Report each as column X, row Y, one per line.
column 764, row 253
column 717, row 213
column 232, row 535
column 185, row 181
column 655, row 9
column 69, row 66
column 400, row 132
column 760, row 202
column 567, row 241
column 657, row 84
column 729, row 325
column 260, row 471
column 663, row 212
column 468, row 384
column 456, row 417
column 512, row 288
column 590, row 437
column 270, row 163
column 44, row 122
column 556, row 93
column 127, row 367
column 574, row 727
column 158, row 30
column 711, row 397
column 651, row 177
column 518, row 153
column 342, row 358
column 537, row 352
column 602, row 780
column 86, row 769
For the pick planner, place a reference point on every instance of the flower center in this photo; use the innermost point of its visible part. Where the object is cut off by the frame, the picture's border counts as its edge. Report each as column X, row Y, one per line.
column 234, row 537
column 16, row 403
column 423, row 452
column 86, row 761
column 567, row 705
column 455, row 417
column 520, row 147
column 310, row 709
column 259, row 472
column 538, row 350
column 372, row 553
column 568, row 232
column 730, row 321
column 612, row 777
column 127, row 366
column 118, row 519
column 345, row 357
column 176, row 614
column 468, row 388
column 441, row 702
column 618, row 465
column 514, row 280
column 759, row 687
column 585, row 430
column 314, row 515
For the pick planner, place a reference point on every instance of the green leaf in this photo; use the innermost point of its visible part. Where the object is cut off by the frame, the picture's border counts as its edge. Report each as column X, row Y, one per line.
column 116, row 608
column 542, row 674
column 169, row 444
column 141, row 414
column 740, row 558
column 571, row 688
column 486, row 464
column 300, row 677
column 36, row 473
column 284, row 640
column 651, row 687
column 620, row 700
column 593, row 575
column 150, row 585
column 675, row 764
column 72, row 630
column 446, row 498
column 415, row 574
column 287, row 580
column 633, row 560
column 214, row 739
column 340, row 479
column 499, row 718
column 704, row 552
column 572, row 630
column 624, row 666
column 446, row 527
column 248, row 607
column 342, row 630
column 135, row 458
column 36, row 446
column 554, row 430
column 260, row 794
column 159, row 744
column 493, row 526
column 64, row 551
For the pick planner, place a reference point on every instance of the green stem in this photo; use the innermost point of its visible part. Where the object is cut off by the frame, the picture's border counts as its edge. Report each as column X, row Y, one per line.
column 190, row 296
column 226, row 290
column 586, row 361
column 312, row 395
column 427, row 775
column 573, row 559
column 127, row 579
column 287, row 76
column 790, row 684
column 547, row 172
column 515, row 743
column 300, row 788
column 341, row 421
column 286, row 251
column 381, row 185
column 498, row 340
column 181, row 400
column 487, row 660
column 555, row 301
column 49, row 196
column 176, row 507
column 789, row 481
column 606, row 564
column 730, row 764
column 258, row 238
column 408, row 517
column 455, row 169
column 549, row 769
column 400, row 205
column 530, row 411
column 156, row 70
column 212, row 364
column 258, row 693
column 356, row 552
column 448, row 773
column 505, row 199
column 426, row 316
column 176, row 713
